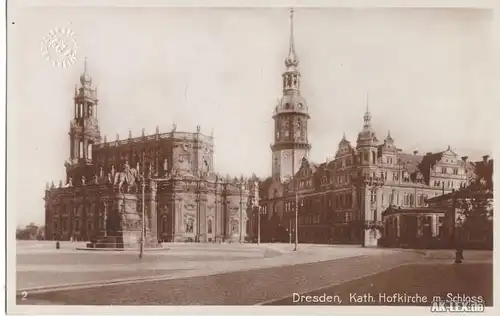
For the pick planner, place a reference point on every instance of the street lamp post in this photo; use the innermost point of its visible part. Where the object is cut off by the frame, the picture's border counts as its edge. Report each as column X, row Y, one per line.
column 296, row 203
column 256, row 204
column 289, row 231
column 459, row 252
column 143, row 185
column 105, row 219
column 172, row 209
column 73, row 218
column 242, row 187
column 258, row 225
column 215, row 207
column 296, row 221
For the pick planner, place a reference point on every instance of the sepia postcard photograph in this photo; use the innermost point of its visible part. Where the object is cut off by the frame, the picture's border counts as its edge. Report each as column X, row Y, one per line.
column 233, row 158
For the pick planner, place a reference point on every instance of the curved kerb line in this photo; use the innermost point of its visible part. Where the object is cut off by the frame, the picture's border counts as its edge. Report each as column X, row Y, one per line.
column 333, row 284
column 92, row 284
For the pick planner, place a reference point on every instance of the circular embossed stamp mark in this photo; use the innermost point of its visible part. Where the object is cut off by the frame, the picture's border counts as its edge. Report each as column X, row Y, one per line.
column 59, row 47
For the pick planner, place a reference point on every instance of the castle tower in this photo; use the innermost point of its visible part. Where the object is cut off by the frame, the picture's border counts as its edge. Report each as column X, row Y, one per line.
column 370, row 181
column 290, row 120
column 84, row 131
column 367, row 145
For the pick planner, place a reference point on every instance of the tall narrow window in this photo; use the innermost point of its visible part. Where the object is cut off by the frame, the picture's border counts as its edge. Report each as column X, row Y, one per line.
column 89, row 151
column 80, row 155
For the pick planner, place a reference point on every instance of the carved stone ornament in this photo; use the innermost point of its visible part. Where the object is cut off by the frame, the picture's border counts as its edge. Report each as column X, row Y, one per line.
column 189, row 205
column 189, row 223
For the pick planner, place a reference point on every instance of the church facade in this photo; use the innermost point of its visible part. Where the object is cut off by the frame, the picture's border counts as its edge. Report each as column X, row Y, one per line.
column 342, row 200
column 171, row 173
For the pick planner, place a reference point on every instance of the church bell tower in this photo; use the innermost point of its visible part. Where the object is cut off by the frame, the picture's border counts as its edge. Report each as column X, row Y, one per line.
column 290, row 120
column 84, row 131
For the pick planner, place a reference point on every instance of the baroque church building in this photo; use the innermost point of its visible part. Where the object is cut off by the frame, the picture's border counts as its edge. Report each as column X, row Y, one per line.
column 107, row 182
column 342, row 200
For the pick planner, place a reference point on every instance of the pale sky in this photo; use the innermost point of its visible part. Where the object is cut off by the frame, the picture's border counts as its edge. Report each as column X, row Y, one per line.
column 428, row 72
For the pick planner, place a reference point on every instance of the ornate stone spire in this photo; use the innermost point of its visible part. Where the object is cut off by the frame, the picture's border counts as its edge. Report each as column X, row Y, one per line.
column 389, row 137
column 85, row 79
column 291, row 60
column 367, row 117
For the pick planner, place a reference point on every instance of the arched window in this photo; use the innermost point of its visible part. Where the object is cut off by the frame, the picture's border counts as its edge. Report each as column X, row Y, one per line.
column 89, row 151
column 80, row 155
column 374, row 157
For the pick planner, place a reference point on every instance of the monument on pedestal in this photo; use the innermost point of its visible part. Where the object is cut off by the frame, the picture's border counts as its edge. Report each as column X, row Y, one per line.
column 124, row 221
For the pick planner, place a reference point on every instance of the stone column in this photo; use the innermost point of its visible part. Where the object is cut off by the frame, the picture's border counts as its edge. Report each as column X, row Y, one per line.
column 370, row 236
column 419, row 226
column 85, row 148
column 354, row 199
column 434, row 224
column 216, row 219
column 179, row 227
column 153, row 213
column 76, row 148
column 378, row 205
column 202, row 234
column 367, row 204
column 398, row 227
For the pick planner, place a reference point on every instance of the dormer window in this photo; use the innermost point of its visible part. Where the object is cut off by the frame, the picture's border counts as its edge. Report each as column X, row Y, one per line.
column 287, row 106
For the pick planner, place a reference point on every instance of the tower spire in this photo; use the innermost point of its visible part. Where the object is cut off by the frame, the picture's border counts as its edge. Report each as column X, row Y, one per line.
column 85, row 79
column 368, row 102
column 367, row 117
column 291, row 60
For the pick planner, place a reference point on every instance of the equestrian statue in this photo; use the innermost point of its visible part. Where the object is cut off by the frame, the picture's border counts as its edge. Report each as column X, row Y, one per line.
column 128, row 176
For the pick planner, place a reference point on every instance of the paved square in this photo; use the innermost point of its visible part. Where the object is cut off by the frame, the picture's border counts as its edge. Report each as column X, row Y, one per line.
column 40, row 265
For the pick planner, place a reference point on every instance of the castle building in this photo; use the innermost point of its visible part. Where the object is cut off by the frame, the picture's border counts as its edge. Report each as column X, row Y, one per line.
column 342, row 200
column 184, row 199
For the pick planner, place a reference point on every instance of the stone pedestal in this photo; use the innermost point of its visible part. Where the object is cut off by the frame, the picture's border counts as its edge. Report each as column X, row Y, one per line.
column 131, row 221
column 124, row 226
column 371, row 237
